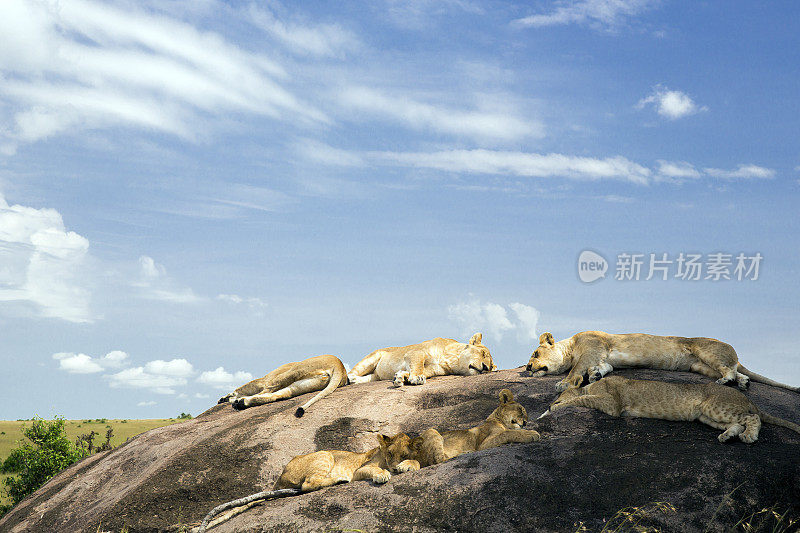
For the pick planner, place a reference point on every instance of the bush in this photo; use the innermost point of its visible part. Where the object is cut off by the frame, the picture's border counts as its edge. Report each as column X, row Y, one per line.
column 48, row 452
column 184, row 416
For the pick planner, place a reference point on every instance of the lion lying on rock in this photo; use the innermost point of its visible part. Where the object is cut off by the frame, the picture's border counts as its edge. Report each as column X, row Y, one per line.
column 415, row 363
column 712, row 404
column 323, row 373
column 597, row 353
column 317, row 470
column 503, row 426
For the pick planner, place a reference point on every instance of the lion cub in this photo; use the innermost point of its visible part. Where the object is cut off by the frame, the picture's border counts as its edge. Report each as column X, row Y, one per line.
column 317, row 470
column 712, row 404
column 503, row 426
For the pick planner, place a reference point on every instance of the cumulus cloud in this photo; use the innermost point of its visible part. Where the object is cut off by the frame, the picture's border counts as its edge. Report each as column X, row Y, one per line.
column 222, row 379
column 670, row 104
column 741, row 172
column 495, row 319
column 161, row 377
column 608, row 14
column 154, row 284
column 42, row 263
column 86, row 65
column 481, row 124
column 522, row 164
column 80, row 363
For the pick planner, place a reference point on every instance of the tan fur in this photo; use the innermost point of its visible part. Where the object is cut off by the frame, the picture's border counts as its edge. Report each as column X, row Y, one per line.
column 415, row 363
column 322, row 373
column 712, row 404
column 321, row 469
column 597, row 353
column 503, row 426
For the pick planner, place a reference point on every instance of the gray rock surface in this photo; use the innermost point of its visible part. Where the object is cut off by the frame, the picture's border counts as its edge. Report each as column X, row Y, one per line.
column 586, row 467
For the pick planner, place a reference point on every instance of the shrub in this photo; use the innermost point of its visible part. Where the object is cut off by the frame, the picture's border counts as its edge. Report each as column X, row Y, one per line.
column 47, row 453
column 184, row 416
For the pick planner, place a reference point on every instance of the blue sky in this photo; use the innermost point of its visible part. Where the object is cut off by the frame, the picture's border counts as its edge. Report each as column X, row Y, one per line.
column 192, row 193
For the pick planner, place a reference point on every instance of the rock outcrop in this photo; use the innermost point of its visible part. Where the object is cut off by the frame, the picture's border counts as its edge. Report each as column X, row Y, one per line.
column 587, row 467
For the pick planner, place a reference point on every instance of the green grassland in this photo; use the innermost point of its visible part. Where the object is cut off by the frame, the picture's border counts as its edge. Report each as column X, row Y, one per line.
column 11, row 434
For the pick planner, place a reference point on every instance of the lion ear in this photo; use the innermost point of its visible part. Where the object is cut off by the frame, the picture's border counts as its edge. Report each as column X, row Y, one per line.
column 546, row 338
column 476, row 339
column 506, row 396
column 383, row 440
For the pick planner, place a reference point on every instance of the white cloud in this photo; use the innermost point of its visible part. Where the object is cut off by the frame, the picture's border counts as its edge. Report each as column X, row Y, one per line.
column 671, row 104
column 146, row 404
column 251, row 302
column 158, row 376
column 180, row 368
column 480, row 124
column 741, row 172
column 318, row 40
column 222, row 379
column 85, row 64
column 154, row 284
column 81, row 363
column 677, row 170
column 617, row 199
column 494, row 320
column 523, row 164
column 201, row 396
column 42, row 263
column 597, row 13
column 310, row 149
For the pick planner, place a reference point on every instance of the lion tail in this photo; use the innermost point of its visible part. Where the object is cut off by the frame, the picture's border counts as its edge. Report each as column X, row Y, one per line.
column 338, row 377
column 769, row 419
column 762, row 379
column 247, row 500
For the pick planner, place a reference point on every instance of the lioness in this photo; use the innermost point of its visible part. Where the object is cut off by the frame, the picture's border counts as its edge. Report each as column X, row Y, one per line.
column 317, row 470
column 415, row 363
column 503, row 426
column 322, row 373
column 596, row 353
column 718, row 406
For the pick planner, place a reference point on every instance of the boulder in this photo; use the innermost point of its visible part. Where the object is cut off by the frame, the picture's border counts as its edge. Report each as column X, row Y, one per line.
column 587, row 468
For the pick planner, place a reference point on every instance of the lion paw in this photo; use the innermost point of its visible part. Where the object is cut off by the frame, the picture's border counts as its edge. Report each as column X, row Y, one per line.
column 748, row 439
column 407, row 466
column 743, row 383
column 381, row 477
column 239, row 404
column 416, row 380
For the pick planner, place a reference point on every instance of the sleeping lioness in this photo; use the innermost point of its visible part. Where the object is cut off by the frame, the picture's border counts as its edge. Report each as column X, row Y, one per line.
column 317, row 470
column 712, row 404
column 503, row 426
column 415, row 363
column 597, row 353
column 322, row 373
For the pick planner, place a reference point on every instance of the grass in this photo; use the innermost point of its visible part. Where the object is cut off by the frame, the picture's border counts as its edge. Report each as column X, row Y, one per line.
column 11, row 434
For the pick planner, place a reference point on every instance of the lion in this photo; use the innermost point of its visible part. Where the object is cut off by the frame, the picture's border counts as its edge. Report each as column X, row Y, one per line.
column 317, row 470
column 715, row 405
column 322, row 373
column 503, row 426
column 597, row 353
column 415, row 363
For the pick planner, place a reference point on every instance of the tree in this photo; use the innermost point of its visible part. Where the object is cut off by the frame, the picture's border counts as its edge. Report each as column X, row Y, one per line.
column 48, row 452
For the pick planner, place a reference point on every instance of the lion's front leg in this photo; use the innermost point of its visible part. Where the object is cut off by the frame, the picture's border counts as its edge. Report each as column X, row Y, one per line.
column 603, row 403
column 432, row 449
column 598, row 371
column 377, row 474
column 510, row 436
column 409, row 465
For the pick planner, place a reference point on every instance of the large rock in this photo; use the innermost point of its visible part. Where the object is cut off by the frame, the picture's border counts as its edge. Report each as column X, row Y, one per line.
column 587, row 467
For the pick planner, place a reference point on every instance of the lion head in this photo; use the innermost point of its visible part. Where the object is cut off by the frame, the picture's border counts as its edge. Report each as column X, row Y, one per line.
column 547, row 358
column 511, row 414
column 475, row 358
column 395, row 450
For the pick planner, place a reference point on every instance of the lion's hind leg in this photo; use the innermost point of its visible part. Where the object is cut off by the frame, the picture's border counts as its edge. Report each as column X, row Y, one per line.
column 752, row 425
column 320, row 473
column 295, row 389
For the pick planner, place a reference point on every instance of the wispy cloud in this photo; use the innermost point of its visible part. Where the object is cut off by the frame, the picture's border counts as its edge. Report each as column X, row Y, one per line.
column 671, row 104
column 741, row 172
column 161, row 377
column 443, row 119
column 42, row 263
column 153, row 283
column 605, row 14
column 677, row 170
column 523, row 164
column 85, row 64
